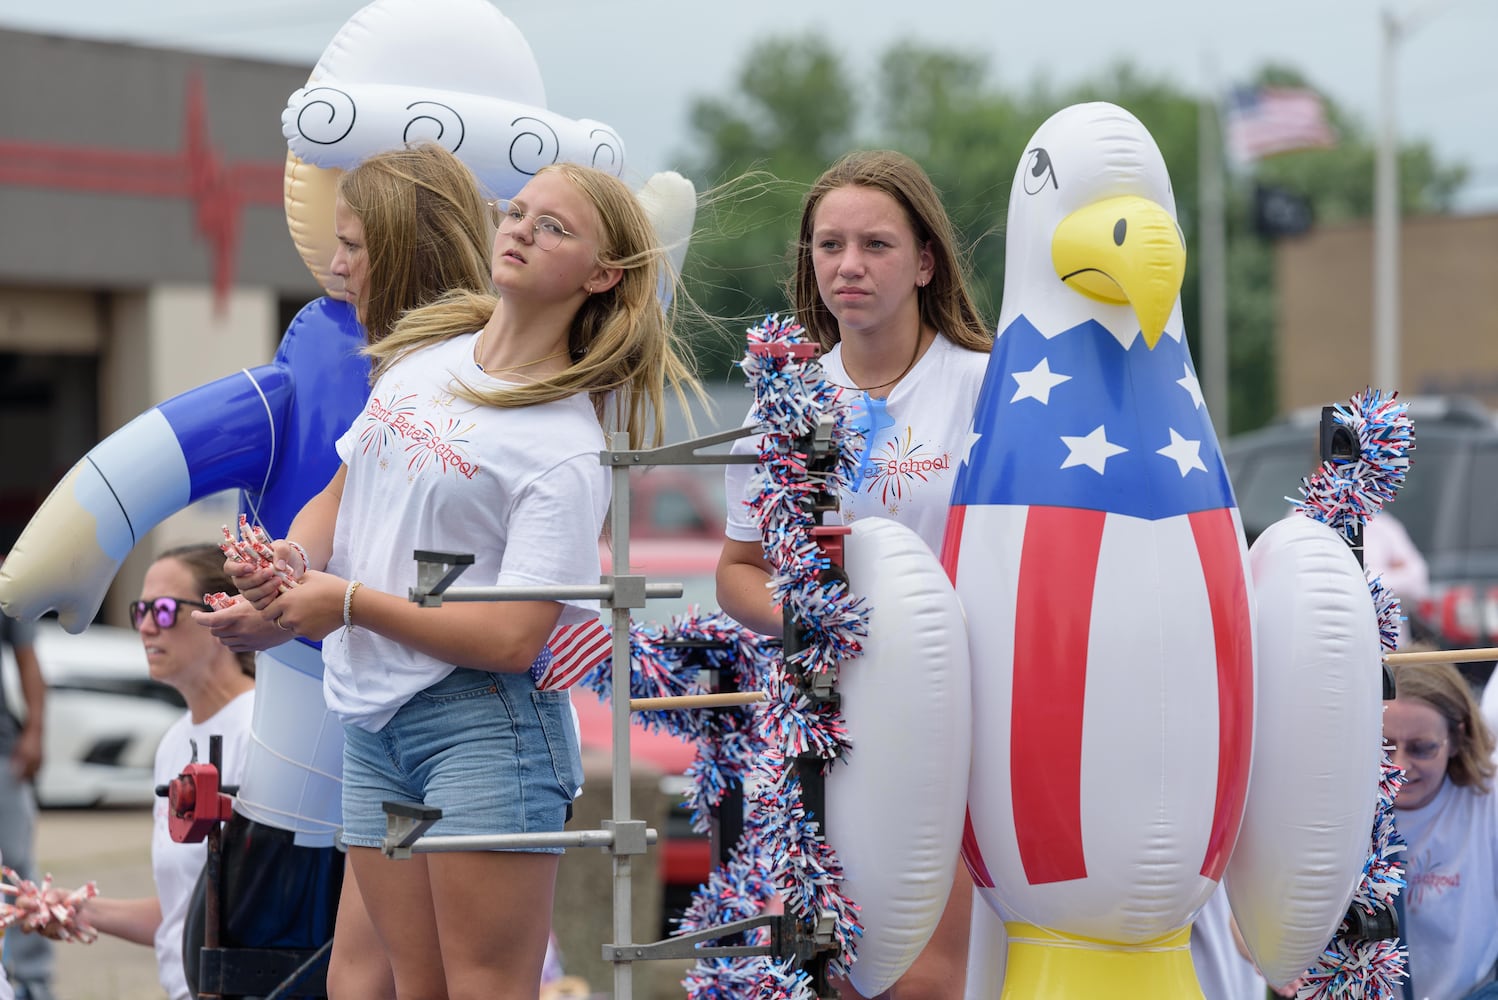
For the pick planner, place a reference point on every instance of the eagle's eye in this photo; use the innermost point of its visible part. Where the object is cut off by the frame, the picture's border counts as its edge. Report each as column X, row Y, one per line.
column 1038, row 170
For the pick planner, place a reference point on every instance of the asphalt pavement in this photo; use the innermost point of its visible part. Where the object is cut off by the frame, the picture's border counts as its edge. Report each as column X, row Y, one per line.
column 112, row 847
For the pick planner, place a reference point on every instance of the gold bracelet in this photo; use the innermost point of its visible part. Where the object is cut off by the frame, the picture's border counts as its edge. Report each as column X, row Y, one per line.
column 348, row 603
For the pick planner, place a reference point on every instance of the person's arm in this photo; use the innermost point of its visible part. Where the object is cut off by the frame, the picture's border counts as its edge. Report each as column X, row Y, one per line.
column 312, row 529
column 314, row 524
column 502, row 636
column 742, row 577
column 133, row 920
column 26, row 759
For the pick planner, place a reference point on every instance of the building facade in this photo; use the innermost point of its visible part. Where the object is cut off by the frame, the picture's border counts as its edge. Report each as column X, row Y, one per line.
column 1448, row 322
column 143, row 251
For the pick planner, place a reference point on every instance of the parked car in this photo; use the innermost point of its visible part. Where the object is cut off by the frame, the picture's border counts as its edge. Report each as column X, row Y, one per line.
column 1446, row 506
column 105, row 716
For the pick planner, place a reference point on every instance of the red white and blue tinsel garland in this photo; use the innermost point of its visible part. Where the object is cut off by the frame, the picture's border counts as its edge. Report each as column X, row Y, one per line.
column 780, row 848
column 791, row 398
column 1345, row 495
column 729, row 744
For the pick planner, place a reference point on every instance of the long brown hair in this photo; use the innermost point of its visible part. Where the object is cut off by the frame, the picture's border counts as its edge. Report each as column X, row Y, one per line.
column 622, row 345
column 206, row 564
column 424, row 231
column 1442, row 687
column 945, row 302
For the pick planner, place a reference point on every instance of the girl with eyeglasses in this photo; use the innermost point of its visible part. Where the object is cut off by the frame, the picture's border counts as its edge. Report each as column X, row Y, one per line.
column 219, row 688
column 1448, row 815
column 481, row 436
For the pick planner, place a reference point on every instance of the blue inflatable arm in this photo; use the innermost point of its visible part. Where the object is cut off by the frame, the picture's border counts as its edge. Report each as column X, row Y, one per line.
column 267, row 431
column 329, row 388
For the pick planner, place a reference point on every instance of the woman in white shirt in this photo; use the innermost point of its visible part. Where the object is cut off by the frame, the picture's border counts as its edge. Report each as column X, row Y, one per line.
column 1448, row 815
column 219, row 688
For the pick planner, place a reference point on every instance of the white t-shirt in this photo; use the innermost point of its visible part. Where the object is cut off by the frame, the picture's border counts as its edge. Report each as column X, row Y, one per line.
column 175, row 867
column 1451, row 902
column 913, row 456
column 521, row 489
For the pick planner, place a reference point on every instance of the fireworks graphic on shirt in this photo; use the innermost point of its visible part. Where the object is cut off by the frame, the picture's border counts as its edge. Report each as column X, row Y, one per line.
column 386, row 425
column 901, row 465
column 431, row 442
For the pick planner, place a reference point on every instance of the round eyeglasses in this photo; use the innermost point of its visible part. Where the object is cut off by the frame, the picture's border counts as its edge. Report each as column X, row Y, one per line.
column 162, row 609
column 1417, row 749
column 547, row 232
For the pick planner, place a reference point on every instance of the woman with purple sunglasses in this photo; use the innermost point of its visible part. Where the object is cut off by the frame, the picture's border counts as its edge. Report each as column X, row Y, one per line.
column 219, row 687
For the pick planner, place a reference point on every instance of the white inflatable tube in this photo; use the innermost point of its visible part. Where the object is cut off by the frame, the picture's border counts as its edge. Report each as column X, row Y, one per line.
column 895, row 804
column 1311, row 799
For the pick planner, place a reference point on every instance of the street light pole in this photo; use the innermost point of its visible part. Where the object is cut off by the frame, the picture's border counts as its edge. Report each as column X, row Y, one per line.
column 1386, row 219
column 1386, row 268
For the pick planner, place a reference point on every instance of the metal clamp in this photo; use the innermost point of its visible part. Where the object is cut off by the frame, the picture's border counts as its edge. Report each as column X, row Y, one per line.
column 435, row 572
column 405, row 822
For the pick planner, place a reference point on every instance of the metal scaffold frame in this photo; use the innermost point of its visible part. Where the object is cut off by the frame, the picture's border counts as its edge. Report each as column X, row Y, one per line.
column 623, row 836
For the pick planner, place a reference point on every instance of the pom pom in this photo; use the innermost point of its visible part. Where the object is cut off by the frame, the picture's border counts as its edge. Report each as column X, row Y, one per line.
column 1346, row 494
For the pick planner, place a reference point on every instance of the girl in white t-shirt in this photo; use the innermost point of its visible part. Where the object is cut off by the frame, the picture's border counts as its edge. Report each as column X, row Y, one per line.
column 1448, row 815
column 481, row 435
column 880, row 284
column 219, row 688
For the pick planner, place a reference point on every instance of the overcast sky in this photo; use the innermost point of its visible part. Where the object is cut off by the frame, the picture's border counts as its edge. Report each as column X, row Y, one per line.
column 636, row 64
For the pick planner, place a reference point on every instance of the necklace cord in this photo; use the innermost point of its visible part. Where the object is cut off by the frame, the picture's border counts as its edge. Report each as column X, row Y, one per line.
column 516, row 368
column 881, row 385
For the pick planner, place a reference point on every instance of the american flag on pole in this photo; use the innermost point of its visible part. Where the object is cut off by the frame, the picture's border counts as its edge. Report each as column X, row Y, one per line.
column 1263, row 121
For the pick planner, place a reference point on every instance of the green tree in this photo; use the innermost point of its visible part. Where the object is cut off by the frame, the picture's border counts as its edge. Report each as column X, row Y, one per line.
column 792, row 112
column 936, row 107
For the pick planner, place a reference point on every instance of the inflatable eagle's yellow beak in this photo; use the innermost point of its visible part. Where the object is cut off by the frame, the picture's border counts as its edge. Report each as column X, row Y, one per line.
column 1124, row 251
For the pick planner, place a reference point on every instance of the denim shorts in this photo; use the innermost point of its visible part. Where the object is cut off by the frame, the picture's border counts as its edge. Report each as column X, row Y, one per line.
column 488, row 749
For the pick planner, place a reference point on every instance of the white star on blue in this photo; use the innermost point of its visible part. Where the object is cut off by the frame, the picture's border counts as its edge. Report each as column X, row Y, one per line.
column 1027, row 454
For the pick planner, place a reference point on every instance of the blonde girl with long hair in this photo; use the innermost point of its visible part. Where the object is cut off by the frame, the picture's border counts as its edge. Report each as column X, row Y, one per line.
column 481, row 436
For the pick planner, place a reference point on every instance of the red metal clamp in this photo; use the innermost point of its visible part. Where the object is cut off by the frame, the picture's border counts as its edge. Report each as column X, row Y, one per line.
column 194, row 803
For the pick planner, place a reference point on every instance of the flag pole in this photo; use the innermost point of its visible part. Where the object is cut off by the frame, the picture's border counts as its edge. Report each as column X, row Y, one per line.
column 1212, row 269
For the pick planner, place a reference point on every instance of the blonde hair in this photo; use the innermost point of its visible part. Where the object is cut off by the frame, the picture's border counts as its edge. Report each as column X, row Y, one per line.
column 621, row 342
column 1442, row 687
column 946, row 304
column 425, row 231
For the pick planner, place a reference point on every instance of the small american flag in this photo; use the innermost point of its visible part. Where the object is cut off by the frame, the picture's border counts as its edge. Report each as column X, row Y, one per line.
column 1262, row 121
column 574, row 649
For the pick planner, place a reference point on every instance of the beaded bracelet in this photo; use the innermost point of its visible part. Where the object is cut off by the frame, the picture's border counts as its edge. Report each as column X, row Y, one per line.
column 348, row 603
